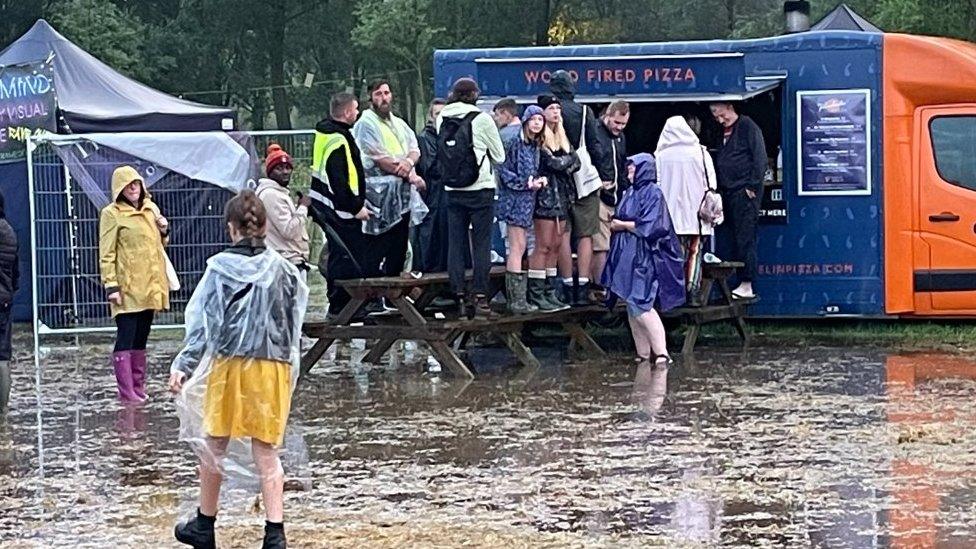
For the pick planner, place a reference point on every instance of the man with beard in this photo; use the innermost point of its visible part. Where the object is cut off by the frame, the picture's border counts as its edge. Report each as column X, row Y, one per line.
column 389, row 148
column 286, row 232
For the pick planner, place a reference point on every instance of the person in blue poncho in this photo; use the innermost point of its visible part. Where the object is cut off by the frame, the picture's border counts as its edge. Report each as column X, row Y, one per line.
column 644, row 265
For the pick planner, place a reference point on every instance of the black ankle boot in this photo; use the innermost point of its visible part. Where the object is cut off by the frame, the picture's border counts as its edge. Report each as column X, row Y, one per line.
column 197, row 532
column 274, row 535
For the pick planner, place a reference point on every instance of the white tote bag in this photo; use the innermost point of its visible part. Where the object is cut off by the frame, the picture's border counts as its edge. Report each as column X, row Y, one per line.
column 171, row 277
column 587, row 179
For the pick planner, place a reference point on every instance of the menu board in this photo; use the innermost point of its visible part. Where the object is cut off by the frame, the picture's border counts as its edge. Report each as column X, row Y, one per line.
column 28, row 106
column 834, row 142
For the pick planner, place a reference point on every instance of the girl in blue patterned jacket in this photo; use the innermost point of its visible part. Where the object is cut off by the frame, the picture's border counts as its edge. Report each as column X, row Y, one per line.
column 516, row 202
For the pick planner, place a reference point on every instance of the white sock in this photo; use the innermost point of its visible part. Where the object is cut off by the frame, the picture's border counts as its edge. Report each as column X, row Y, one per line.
column 537, row 274
column 551, row 272
column 583, row 281
column 568, row 280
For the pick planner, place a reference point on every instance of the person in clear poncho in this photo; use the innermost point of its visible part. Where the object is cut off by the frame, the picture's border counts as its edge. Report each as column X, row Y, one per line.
column 237, row 371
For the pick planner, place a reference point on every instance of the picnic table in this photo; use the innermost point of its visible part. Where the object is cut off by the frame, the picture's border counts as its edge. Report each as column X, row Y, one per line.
column 415, row 319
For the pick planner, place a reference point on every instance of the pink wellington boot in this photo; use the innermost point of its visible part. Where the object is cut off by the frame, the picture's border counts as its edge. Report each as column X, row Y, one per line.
column 139, row 373
column 122, row 361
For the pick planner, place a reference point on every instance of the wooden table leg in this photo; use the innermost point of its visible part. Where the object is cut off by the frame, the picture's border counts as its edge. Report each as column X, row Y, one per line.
column 442, row 351
column 583, row 340
column 322, row 345
column 691, row 337
column 738, row 322
column 377, row 351
column 519, row 349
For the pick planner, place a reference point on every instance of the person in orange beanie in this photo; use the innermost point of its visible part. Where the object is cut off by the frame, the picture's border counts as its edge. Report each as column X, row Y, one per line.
column 286, row 232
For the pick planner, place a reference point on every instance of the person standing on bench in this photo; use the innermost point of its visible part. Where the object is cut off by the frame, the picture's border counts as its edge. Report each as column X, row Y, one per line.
column 644, row 265
column 467, row 145
column 338, row 194
column 741, row 163
column 685, row 173
column 519, row 181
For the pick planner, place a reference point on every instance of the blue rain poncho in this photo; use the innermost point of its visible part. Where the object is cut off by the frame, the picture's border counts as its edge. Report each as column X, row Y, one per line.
column 241, row 355
column 645, row 267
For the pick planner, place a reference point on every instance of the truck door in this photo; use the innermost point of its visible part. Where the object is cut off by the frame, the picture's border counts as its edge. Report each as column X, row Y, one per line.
column 945, row 231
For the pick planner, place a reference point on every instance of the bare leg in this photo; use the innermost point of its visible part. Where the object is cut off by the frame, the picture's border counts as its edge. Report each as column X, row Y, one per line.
column 599, row 263
column 642, row 344
column 584, row 256
column 272, row 479
column 654, row 329
column 539, row 258
column 564, row 254
column 211, row 476
column 516, row 248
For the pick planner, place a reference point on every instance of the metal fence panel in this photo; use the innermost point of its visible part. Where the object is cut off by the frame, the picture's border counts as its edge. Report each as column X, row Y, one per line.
column 69, row 297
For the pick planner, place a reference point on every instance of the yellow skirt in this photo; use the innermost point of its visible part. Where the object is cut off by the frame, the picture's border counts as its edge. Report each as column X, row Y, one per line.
column 248, row 397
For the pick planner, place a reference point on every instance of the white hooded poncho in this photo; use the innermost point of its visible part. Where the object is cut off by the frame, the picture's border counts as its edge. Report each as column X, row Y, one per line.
column 684, row 168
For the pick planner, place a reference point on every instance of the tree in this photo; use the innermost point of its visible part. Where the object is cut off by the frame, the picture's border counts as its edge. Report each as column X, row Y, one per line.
column 111, row 34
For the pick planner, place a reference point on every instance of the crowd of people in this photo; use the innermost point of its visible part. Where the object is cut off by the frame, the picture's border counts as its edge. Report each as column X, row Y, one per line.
column 554, row 178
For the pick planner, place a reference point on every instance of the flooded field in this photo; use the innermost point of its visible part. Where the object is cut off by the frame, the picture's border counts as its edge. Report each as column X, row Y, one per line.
column 777, row 447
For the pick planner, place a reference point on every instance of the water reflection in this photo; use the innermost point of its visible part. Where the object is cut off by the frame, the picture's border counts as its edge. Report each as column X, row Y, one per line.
column 783, row 447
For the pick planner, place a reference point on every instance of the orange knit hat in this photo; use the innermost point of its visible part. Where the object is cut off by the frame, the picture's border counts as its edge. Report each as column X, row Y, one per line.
column 276, row 155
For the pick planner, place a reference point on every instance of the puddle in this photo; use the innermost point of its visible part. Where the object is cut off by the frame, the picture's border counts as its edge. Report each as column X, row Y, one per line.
column 780, row 447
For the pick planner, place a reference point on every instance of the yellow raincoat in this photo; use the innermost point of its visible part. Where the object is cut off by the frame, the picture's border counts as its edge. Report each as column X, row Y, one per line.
column 130, row 250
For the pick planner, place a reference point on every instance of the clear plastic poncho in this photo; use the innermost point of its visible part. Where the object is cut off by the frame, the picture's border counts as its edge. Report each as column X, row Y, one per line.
column 391, row 198
column 241, row 355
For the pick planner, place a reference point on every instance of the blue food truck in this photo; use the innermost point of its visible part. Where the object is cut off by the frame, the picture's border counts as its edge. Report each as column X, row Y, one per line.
column 846, row 228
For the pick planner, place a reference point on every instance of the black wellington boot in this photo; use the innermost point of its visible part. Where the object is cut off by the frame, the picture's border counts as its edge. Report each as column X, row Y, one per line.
column 274, row 536
column 197, row 532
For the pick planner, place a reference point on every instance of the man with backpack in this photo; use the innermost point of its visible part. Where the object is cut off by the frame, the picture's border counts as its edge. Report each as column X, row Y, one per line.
column 467, row 144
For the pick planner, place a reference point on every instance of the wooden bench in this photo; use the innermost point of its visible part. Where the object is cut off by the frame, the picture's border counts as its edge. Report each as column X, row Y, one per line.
column 415, row 319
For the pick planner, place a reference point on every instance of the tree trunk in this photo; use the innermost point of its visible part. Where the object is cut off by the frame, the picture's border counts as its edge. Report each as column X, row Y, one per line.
column 259, row 108
column 730, row 11
column 279, row 93
column 542, row 24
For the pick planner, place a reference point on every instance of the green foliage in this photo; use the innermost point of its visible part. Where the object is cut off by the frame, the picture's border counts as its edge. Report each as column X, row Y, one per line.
column 255, row 55
column 106, row 31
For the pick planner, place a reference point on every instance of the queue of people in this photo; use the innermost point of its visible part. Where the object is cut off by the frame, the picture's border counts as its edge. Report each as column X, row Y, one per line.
column 556, row 176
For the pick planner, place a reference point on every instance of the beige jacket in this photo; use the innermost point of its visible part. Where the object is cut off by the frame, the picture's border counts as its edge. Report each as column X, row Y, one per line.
column 286, row 222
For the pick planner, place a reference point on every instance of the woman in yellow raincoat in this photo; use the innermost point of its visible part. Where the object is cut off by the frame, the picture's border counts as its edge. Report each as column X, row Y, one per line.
column 132, row 233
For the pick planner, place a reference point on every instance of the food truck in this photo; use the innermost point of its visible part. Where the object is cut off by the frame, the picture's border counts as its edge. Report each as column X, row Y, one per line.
column 869, row 207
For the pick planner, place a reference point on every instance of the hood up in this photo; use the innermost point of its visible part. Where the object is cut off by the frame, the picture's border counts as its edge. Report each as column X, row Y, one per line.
column 122, row 176
column 561, row 85
column 645, row 170
column 676, row 132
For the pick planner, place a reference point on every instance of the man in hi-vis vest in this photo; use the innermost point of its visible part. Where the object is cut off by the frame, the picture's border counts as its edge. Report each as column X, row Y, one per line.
column 338, row 194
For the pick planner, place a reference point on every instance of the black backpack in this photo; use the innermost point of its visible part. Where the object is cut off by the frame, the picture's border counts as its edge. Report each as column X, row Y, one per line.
column 456, row 162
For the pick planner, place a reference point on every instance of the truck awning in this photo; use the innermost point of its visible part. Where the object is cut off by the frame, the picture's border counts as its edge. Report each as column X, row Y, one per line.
column 754, row 85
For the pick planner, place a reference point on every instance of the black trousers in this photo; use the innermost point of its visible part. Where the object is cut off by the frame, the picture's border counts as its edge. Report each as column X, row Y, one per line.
column 133, row 330
column 344, row 256
column 474, row 209
column 389, row 250
column 742, row 216
column 429, row 241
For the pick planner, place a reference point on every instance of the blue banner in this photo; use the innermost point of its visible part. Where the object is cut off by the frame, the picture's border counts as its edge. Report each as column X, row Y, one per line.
column 834, row 137
column 673, row 74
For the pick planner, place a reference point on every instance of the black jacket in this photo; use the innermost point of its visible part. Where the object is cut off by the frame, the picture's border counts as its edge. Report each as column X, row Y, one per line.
column 741, row 162
column 563, row 89
column 346, row 202
column 427, row 167
column 9, row 270
column 555, row 199
column 614, row 165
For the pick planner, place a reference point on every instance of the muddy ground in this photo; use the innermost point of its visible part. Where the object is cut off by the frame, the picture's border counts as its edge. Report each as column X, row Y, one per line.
column 779, row 446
